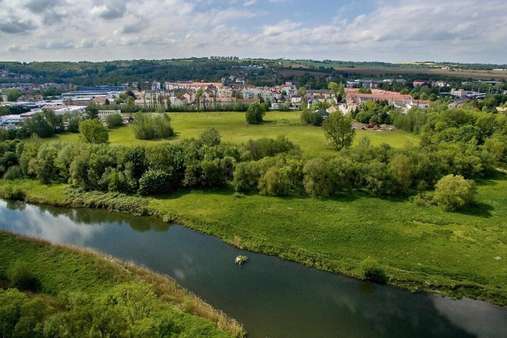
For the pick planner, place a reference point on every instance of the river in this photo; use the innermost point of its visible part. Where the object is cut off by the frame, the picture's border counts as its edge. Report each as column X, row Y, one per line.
column 271, row 297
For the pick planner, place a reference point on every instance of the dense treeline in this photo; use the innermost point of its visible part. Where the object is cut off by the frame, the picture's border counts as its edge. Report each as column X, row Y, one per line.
column 202, row 163
column 457, row 142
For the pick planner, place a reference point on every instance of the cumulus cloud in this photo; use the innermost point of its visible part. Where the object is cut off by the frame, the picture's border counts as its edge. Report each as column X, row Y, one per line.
column 464, row 30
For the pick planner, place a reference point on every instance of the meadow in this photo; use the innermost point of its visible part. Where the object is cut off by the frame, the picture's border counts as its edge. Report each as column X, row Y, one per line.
column 420, row 248
column 232, row 128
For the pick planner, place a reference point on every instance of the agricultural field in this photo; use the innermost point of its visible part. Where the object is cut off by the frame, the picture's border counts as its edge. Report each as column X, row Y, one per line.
column 232, row 128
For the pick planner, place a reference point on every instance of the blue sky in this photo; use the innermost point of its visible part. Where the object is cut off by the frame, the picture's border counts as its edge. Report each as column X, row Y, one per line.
column 362, row 30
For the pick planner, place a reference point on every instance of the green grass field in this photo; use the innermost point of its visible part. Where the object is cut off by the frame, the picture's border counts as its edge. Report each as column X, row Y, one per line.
column 62, row 269
column 419, row 248
column 232, row 128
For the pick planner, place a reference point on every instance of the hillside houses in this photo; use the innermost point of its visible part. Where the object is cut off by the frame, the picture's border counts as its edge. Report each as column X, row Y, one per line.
column 354, row 98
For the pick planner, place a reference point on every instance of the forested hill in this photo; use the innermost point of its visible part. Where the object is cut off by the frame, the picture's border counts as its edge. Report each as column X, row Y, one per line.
column 310, row 73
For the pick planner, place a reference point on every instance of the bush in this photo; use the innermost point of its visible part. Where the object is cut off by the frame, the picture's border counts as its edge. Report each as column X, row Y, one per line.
column 246, row 177
column 114, row 121
column 13, row 173
column 264, row 147
column 155, row 182
column 21, row 277
column 210, row 137
column 454, row 192
column 314, row 118
column 371, row 270
column 318, row 178
column 275, row 182
column 13, row 194
column 152, row 126
column 255, row 113
column 93, row 131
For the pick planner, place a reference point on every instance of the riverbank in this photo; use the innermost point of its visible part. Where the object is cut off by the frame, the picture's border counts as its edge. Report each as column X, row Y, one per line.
column 65, row 269
column 421, row 249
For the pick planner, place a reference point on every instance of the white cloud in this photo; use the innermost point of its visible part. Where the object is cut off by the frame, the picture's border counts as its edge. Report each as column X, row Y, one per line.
column 465, row 30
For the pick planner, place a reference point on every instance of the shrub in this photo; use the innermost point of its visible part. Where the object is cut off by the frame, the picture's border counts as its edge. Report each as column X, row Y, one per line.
column 246, row 177
column 152, row 126
column 255, row 113
column 318, row 178
column 155, row 182
column 454, row 192
column 21, row 277
column 312, row 117
column 93, row 131
column 210, row 137
column 13, row 173
column 13, row 194
column 338, row 130
column 114, row 121
column 371, row 270
column 275, row 182
column 264, row 147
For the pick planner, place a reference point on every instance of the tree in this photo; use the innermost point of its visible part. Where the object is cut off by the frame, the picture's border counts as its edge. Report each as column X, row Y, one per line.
column 92, row 111
column 339, row 131
column 454, row 192
column 152, row 126
column 210, row 137
column 198, row 96
column 13, row 94
column 337, row 89
column 93, row 131
column 255, row 113
column 114, row 121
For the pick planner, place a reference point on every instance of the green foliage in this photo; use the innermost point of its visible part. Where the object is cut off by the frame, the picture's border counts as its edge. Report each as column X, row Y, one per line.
column 339, row 131
column 246, row 177
column 152, row 126
column 155, row 182
column 93, row 131
column 92, row 111
column 210, row 137
column 13, row 173
column 44, row 124
column 454, row 192
column 264, row 147
column 13, row 94
column 314, row 118
column 412, row 121
column 255, row 113
column 20, row 276
column 114, row 121
column 374, row 113
column 371, row 270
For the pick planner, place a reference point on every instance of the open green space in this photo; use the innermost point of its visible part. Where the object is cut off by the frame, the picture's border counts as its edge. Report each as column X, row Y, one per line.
column 83, row 276
column 458, row 254
column 233, row 128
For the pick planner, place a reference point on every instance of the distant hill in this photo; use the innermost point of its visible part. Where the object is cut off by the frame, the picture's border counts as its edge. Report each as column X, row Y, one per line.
column 309, row 73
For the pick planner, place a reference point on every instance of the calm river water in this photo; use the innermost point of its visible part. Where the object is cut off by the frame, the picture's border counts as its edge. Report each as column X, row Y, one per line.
column 271, row 297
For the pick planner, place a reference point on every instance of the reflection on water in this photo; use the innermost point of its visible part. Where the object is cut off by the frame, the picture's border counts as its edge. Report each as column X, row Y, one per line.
column 273, row 298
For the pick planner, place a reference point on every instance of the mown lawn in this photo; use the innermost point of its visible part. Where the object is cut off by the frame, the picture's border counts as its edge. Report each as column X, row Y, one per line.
column 233, row 128
column 421, row 248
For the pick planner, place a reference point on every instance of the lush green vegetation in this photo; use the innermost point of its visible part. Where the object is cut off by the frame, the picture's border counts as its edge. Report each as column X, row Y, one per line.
column 233, row 129
column 79, row 293
column 93, row 131
column 152, row 126
column 421, row 247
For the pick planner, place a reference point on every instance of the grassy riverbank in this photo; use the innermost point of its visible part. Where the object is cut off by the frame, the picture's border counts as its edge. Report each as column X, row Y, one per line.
column 232, row 128
column 63, row 270
column 457, row 254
